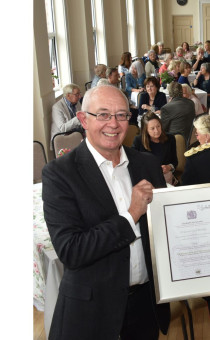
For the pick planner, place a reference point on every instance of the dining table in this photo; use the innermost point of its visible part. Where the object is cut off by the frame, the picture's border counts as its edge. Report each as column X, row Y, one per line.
column 47, row 268
column 202, row 95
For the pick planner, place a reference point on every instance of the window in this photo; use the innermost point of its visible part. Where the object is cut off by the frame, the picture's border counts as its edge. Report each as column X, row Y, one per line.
column 94, row 30
column 52, row 42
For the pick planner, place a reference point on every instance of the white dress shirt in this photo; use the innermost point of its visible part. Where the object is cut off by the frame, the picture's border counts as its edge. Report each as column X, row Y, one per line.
column 120, row 186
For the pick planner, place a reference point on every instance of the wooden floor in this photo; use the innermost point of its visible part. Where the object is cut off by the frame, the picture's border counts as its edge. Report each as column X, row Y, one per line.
column 201, row 321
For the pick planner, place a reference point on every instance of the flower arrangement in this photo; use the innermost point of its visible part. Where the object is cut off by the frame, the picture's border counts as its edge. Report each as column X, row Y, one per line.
column 166, row 77
column 198, row 44
column 62, row 152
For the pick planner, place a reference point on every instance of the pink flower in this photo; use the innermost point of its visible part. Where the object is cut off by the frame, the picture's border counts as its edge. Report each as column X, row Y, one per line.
column 40, row 247
column 63, row 152
column 36, row 269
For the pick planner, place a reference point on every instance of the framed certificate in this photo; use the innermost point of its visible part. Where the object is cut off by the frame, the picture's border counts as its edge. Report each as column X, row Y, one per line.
column 179, row 229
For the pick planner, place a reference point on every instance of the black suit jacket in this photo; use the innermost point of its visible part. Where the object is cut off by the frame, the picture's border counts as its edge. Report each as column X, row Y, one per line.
column 92, row 241
column 177, row 116
column 197, row 168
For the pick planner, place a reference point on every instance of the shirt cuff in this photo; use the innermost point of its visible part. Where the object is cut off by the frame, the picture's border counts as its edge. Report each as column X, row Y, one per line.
column 134, row 226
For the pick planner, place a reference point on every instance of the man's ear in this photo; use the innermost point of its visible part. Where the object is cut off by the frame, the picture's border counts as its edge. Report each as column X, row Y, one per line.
column 81, row 115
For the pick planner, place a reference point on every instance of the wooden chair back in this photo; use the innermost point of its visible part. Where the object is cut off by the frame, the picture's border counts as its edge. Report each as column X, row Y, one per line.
column 39, row 161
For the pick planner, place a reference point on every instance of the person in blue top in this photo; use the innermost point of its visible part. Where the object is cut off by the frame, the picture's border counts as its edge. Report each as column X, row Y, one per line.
column 185, row 69
column 134, row 79
column 152, row 99
column 202, row 80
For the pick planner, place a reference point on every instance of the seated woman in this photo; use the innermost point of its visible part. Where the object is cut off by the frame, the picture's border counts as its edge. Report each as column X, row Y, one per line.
column 200, row 59
column 152, row 99
column 188, row 93
column 100, row 72
column 134, row 79
column 125, row 63
column 187, row 53
column 174, row 68
column 202, row 80
column 152, row 66
column 153, row 139
column 185, row 69
column 179, row 53
column 160, row 45
column 168, row 57
column 197, row 167
column 207, row 50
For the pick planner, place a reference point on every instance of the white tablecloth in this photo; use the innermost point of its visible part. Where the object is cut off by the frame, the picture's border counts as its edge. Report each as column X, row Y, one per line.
column 135, row 98
column 202, row 95
column 47, row 268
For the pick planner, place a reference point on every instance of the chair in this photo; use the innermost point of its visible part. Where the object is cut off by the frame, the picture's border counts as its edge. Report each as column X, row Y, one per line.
column 192, row 138
column 180, row 149
column 122, row 83
column 62, row 141
column 193, row 305
column 39, row 160
column 88, row 85
column 133, row 131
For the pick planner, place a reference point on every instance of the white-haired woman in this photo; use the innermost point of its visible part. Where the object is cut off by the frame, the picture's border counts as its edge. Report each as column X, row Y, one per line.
column 134, row 79
column 188, row 93
column 200, row 59
column 197, row 167
column 152, row 64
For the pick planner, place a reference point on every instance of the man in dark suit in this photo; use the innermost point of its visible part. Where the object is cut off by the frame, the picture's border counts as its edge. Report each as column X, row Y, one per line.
column 95, row 203
column 177, row 116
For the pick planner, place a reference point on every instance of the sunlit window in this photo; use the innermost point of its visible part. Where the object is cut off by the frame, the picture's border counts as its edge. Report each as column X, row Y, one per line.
column 94, row 30
column 52, row 42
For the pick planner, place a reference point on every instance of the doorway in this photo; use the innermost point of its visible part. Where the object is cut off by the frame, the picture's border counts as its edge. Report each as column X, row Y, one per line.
column 182, row 30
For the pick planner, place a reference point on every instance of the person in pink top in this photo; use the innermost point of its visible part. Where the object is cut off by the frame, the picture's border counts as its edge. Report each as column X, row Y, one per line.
column 188, row 93
column 168, row 57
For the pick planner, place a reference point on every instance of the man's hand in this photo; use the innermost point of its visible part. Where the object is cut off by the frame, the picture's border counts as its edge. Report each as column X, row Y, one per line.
column 141, row 196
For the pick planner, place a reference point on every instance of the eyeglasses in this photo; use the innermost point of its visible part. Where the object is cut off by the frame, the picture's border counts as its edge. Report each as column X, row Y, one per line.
column 105, row 116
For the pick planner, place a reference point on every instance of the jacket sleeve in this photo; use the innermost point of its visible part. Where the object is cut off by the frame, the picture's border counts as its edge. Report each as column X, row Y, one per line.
column 79, row 236
column 173, row 152
column 61, row 121
column 165, row 119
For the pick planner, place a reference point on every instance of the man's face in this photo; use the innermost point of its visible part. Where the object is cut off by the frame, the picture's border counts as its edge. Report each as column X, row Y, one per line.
column 106, row 136
column 74, row 96
column 114, row 78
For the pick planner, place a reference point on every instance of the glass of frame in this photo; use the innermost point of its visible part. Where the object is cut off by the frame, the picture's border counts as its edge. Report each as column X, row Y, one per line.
column 179, row 229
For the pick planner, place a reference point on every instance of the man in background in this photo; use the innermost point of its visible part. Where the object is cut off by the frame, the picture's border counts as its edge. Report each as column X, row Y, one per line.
column 64, row 117
column 177, row 115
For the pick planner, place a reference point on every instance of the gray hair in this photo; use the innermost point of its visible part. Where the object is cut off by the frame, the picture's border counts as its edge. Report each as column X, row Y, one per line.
column 189, row 90
column 150, row 52
column 90, row 93
column 206, row 66
column 202, row 124
column 100, row 69
column 179, row 48
column 69, row 89
column 167, row 56
column 175, row 90
column 110, row 70
column 138, row 66
column 160, row 43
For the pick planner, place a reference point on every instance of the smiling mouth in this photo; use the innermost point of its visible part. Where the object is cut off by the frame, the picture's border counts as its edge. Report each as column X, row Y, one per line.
column 110, row 134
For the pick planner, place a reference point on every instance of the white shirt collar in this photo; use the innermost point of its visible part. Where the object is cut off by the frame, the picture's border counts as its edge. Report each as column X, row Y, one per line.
column 100, row 159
